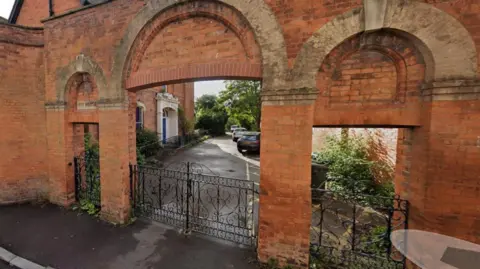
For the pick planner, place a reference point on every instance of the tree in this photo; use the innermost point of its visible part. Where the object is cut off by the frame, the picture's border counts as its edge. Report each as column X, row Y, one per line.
column 205, row 102
column 211, row 116
column 242, row 101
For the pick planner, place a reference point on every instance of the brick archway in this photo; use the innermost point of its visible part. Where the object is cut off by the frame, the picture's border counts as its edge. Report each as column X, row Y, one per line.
column 256, row 14
column 438, row 107
column 435, row 30
column 81, row 64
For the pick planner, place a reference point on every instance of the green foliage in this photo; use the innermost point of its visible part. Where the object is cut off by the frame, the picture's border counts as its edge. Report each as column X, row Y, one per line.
column 272, row 263
column 140, row 157
column 213, row 122
column 89, row 207
column 243, row 103
column 186, row 125
column 205, row 102
column 326, row 258
column 376, row 241
column 211, row 116
column 92, row 168
column 350, row 172
column 231, row 121
column 147, row 143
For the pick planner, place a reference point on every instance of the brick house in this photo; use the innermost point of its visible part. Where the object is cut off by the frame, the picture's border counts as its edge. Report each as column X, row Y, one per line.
column 149, row 114
column 157, row 112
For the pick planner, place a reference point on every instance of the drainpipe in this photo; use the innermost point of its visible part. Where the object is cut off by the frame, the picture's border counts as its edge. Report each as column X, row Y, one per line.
column 50, row 7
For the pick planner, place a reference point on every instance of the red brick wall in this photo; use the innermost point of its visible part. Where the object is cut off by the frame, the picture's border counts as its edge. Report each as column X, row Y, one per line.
column 32, row 12
column 148, row 98
column 189, row 103
column 23, row 167
column 366, row 74
column 61, row 6
column 185, row 94
column 194, row 40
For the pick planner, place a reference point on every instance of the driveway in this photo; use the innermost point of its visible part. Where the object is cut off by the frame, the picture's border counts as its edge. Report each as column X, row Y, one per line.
column 220, row 157
column 52, row 236
column 224, row 200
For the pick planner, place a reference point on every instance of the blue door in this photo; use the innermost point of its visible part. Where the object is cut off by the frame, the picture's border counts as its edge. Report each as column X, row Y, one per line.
column 164, row 131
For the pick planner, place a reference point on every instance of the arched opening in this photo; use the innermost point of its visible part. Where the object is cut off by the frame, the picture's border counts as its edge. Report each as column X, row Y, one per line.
column 370, row 108
column 82, row 138
column 181, row 46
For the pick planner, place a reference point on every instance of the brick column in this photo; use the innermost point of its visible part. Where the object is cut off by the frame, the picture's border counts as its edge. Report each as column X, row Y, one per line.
column 450, row 188
column 60, row 155
column 114, row 160
column 285, row 163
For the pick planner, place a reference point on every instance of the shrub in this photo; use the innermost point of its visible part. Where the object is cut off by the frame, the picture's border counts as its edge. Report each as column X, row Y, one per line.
column 350, row 171
column 212, row 122
column 148, row 143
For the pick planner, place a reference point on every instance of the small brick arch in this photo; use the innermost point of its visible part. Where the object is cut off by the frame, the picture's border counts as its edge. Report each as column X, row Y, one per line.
column 261, row 21
column 434, row 30
column 81, row 64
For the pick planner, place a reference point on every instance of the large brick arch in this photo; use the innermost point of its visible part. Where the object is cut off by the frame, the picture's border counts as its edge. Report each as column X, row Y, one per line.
column 257, row 13
column 372, row 79
column 193, row 41
column 81, row 64
column 435, row 32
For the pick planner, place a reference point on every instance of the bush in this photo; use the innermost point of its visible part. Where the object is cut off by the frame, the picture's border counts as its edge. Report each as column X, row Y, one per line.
column 212, row 122
column 148, row 143
column 350, row 170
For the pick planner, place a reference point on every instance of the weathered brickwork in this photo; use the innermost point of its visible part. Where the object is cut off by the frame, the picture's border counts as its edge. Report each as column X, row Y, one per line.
column 350, row 63
column 23, row 167
column 367, row 73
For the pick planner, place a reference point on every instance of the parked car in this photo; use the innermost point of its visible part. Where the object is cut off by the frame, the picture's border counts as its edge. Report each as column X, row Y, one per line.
column 233, row 127
column 249, row 142
column 238, row 133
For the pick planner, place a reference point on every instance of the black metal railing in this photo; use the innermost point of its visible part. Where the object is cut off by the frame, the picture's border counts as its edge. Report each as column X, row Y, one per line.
column 87, row 178
column 190, row 197
column 352, row 230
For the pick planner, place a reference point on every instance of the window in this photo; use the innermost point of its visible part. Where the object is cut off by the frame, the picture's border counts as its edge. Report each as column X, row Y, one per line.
column 139, row 117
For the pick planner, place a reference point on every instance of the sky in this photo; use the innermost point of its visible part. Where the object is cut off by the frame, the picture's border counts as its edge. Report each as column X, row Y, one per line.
column 208, row 87
column 6, row 7
column 201, row 88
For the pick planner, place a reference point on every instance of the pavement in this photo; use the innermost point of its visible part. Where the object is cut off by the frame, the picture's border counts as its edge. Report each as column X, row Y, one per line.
column 226, row 202
column 53, row 236
column 219, row 156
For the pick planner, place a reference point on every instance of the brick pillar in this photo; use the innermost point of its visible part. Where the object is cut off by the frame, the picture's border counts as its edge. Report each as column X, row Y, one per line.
column 114, row 161
column 442, row 181
column 285, row 195
column 60, row 156
column 452, row 183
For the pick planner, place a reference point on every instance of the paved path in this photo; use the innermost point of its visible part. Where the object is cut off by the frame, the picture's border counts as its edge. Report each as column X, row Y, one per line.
column 220, row 155
column 224, row 202
column 55, row 237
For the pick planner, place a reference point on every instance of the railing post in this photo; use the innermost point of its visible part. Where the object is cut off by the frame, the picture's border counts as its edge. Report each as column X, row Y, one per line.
column 77, row 181
column 189, row 193
column 130, row 167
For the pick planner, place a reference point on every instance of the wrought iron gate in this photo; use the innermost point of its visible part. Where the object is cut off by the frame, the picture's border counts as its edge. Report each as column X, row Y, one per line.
column 184, row 196
column 87, row 177
column 352, row 230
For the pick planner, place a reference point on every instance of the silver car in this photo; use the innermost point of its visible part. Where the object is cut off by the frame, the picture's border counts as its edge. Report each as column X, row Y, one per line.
column 238, row 133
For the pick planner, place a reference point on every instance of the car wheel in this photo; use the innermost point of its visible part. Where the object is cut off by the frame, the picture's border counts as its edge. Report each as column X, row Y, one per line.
column 240, row 150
